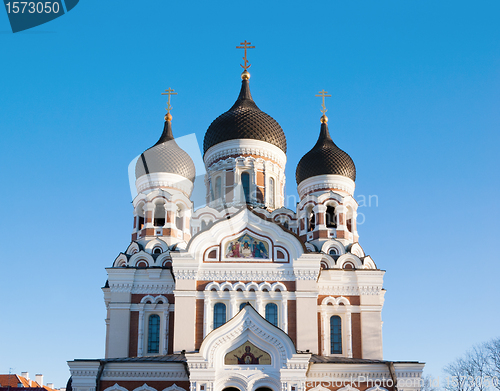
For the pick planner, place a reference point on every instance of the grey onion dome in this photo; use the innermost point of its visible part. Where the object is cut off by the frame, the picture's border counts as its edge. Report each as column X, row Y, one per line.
column 325, row 158
column 244, row 121
column 166, row 156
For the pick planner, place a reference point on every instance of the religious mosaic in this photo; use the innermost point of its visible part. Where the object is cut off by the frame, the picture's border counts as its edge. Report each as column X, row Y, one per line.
column 247, row 354
column 247, row 246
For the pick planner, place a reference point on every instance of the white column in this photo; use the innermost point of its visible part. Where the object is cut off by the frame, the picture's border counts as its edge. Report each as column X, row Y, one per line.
column 325, row 335
column 233, row 310
column 284, row 312
column 149, row 207
column 319, row 210
column 140, row 336
column 349, row 333
column 260, row 305
column 166, row 318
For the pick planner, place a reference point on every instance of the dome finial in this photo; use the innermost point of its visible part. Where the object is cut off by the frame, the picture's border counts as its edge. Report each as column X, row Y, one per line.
column 323, row 94
column 170, row 91
column 246, row 45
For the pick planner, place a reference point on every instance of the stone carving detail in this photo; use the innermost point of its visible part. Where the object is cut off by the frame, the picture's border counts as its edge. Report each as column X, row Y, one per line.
column 349, row 290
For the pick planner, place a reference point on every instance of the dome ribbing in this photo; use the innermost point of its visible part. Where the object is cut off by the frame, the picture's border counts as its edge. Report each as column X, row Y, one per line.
column 166, row 156
column 244, row 120
column 325, row 158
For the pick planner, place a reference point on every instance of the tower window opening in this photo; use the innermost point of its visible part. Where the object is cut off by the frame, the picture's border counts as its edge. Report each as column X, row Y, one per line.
column 285, row 224
column 159, row 216
column 349, row 225
column 219, row 314
column 272, row 313
column 331, row 221
column 271, row 192
column 140, row 218
column 218, row 188
column 154, row 334
column 179, row 218
column 335, row 335
column 157, row 250
column 245, row 182
column 311, row 221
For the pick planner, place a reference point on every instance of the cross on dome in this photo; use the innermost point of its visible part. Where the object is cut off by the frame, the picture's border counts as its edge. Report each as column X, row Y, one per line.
column 246, row 45
column 169, row 92
column 323, row 94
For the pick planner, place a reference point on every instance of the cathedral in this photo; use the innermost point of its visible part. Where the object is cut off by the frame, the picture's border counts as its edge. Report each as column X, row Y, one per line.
column 244, row 294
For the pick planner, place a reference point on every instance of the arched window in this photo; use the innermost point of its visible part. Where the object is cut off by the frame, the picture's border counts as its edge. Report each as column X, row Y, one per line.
column 159, row 216
column 271, row 192
column 311, row 223
column 272, row 313
column 140, row 217
column 336, row 335
column 331, row 221
column 203, row 225
column 178, row 218
column 242, row 305
column 219, row 314
column 218, row 188
column 154, row 334
column 245, row 182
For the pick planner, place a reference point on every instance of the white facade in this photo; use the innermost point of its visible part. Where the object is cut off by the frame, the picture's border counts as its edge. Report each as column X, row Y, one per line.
column 246, row 273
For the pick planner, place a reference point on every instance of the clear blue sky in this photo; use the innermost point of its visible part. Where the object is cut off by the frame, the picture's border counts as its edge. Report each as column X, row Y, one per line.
column 415, row 101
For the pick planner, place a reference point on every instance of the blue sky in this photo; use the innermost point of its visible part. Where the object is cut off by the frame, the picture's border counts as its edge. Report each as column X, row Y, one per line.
column 415, row 95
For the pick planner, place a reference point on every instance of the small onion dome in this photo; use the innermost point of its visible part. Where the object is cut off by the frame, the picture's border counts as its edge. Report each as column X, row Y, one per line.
column 166, row 156
column 325, row 158
column 244, row 121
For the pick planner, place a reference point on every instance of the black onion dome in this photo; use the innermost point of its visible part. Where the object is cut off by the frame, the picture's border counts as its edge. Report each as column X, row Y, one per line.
column 166, row 156
column 244, row 121
column 325, row 158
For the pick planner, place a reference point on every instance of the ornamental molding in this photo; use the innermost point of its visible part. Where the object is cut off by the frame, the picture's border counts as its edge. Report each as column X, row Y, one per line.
column 249, row 325
column 245, row 147
column 77, row 372
column 326, row 182
column 246, row 275
column 354, row 376
column 160, row 179
column 174, row 387
column 140, row 375
column 349, row 290
column 142, row 288
column 306, row 274
column 116, row 387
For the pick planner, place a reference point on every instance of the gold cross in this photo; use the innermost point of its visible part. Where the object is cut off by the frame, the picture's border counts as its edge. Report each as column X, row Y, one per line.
column 323, row 94
column 245, row 46
column 169, row 92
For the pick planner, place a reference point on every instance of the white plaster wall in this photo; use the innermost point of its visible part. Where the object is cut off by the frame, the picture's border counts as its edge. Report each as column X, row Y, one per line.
column 118, row 331
column 184, row 321
column 307, row 322
column 371, row 335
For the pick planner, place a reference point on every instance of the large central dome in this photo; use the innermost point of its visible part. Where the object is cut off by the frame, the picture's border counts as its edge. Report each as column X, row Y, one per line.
column 244, row 121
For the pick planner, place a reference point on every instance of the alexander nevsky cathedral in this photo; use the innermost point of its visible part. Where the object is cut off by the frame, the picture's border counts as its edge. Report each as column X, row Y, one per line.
column 244, row 294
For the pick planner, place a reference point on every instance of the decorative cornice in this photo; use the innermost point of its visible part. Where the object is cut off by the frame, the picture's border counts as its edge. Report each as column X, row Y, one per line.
column 142, row 288
column 238, row 275
column 349, row 290
column 245, row 147
column 306, row 274
column 161, row 179
column 146, row 374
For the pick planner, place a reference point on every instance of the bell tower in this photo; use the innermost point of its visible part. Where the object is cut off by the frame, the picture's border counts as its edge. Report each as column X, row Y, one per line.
column 245, row 154
column 325, row 178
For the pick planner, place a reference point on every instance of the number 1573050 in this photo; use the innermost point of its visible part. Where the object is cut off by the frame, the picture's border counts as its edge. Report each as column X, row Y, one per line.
column 32, row 7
